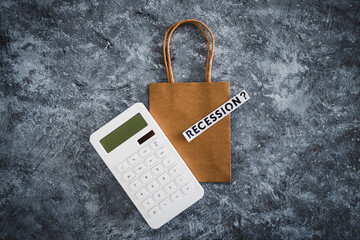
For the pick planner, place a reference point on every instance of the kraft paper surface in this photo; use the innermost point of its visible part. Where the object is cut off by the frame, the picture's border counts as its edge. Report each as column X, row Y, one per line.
column 176, row 106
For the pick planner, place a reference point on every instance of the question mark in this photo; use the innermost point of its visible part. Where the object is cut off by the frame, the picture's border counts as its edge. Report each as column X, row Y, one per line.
column 243, row 94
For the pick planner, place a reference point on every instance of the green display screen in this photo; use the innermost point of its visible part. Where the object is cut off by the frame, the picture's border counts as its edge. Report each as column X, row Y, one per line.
column 123, row 133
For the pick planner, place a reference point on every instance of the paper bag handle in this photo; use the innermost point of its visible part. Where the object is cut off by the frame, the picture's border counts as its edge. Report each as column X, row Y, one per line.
column 166, row 44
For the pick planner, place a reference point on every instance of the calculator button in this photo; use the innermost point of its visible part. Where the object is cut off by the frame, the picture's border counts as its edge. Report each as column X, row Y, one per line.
column 165, row 204
column 159, row 195
column 151, row 160
column 176, row 196
column 181, row 180
column 135, row 185
column 148, row 203
column 141, row 194
column 153, row 186
column 140, row 168
column 157, row 169
column 154, row 212
column 146, row 177
column 187, row 188
column 175, row 170
column 122, row 167
column 164, row 178
column 168, row 161
column 145, row 151
column 170, row 187
column 133, row 159
column 129, row 176
column 162, row 152
column 155, row 144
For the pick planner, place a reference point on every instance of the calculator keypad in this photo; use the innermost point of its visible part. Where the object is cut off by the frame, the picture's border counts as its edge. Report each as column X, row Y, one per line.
column 174, row 171
column 165, row 204
column 140, row 168
column 154, row 212
column 145, row 151
column 187, row 188
column 135, row 185
column 153, row 186
column 159, row 195
column 148, row 203
column 150, row 160
column 155, row 144
column 128, row 176
column 161, row 153
column 133, row 159
column 157, row 169
column 181, row 180
column 168, row 161
column 146, row 177
column 170, row 187
column 142, row 194
column 176, row 196
column 164, row 178
column 122, row 167
column 154, row 177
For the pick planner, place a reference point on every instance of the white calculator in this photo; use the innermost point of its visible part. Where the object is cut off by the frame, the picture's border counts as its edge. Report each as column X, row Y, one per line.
column 146, row 165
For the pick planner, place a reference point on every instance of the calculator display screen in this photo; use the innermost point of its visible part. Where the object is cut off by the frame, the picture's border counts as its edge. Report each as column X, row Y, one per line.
column 123, row 133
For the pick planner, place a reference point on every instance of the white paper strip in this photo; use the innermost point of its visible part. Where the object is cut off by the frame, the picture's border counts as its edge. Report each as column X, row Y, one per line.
column 215, row 116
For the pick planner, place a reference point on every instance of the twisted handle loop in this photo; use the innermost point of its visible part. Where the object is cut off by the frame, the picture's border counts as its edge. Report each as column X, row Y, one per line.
column 166, row 46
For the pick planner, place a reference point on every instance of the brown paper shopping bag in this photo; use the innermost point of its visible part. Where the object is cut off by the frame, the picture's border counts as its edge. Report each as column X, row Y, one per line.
column 177, row 106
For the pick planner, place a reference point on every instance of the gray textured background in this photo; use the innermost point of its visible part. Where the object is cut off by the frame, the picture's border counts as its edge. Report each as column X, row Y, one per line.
column 68, row 67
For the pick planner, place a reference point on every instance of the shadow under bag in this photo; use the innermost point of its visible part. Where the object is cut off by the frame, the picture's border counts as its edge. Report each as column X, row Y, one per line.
column 177, row 106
